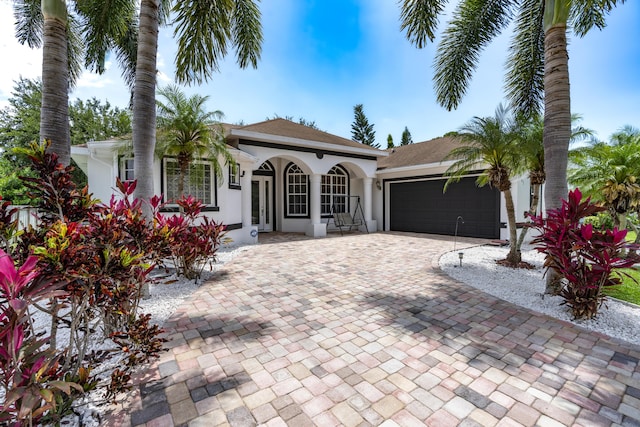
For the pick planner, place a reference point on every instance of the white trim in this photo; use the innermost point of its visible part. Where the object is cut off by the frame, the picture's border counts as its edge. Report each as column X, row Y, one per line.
column 415, row 167
column 241, row 155
column 285, row 140
column 213, row 181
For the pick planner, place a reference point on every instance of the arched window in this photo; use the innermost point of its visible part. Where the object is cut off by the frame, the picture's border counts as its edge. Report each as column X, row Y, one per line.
column 266, row 167
column 335, row 191
column 297, row 189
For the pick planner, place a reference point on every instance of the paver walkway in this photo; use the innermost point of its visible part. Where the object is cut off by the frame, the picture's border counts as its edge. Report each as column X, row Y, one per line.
column 366, row 330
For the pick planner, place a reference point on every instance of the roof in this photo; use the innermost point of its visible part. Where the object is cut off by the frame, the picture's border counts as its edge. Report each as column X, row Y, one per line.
column 287, row 128
column 419, row 153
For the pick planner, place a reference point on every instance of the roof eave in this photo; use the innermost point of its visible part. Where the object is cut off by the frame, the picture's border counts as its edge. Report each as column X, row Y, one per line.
column 412, row 168
column 285, row 140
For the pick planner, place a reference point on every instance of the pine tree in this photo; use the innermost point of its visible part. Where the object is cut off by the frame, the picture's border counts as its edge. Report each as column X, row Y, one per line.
column 406, row 137
column 390, row 141
column 361, row 130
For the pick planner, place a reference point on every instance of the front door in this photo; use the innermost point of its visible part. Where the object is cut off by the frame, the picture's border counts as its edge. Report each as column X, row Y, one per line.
column 262, row 202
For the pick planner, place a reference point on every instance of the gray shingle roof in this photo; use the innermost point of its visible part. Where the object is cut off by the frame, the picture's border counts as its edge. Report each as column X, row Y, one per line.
column 287, row 128
column 420, row 153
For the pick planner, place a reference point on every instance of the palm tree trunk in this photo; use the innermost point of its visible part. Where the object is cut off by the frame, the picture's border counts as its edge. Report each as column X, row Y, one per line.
column 557, row 125
column 513, row 257
column 144, row 102
column 533, row 210
column 184, row 162
column 54, row 113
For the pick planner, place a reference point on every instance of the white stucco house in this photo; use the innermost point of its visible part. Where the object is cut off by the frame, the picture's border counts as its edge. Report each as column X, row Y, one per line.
column 291, row 178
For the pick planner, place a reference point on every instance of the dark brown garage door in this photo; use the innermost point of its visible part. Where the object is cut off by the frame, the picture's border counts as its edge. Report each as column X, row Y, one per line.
column 420, row 206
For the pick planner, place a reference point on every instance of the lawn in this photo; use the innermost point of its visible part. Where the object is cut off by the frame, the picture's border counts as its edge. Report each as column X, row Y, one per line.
column 629, row 290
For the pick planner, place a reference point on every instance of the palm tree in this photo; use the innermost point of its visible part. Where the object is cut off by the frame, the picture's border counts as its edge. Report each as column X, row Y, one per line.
column 189, row 132
column 69, row 37
column 205, row 31
column 531, row 146
column 609, row 173
column 537, row 61
column 490, row 143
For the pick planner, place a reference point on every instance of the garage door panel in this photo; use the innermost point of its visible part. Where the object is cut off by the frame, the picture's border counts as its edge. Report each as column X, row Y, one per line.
column 421, row 206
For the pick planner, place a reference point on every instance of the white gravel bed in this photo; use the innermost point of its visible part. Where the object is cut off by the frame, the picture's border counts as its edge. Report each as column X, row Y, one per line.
column 169, row 292
column 526, row 288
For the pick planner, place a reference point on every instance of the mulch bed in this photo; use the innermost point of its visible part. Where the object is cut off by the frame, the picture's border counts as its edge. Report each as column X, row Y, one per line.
column 521, row 264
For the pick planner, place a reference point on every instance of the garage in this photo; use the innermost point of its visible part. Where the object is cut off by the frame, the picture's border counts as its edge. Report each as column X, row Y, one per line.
column 421, row 206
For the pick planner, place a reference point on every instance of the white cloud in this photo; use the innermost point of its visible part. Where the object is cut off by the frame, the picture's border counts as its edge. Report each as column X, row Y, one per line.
column 94, row 80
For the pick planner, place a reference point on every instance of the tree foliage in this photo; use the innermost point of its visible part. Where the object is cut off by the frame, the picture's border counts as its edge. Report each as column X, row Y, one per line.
column 93, row 120
column 301, row 120
column 188, row 131
column 537, row 65
column 205, row 31
column 490, row 144
column 20, row 120
column 74, row 34
column 361, row 130
column 406, row 137
column 475, row 24
column 20, row 126
column 609, row 173
column 390, row 143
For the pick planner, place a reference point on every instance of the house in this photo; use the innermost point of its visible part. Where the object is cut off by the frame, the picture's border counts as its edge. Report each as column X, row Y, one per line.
column 291, row 178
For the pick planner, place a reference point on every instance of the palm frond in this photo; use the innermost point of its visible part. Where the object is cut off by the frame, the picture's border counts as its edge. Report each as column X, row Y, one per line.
column 104, row 22
column 490, row 144
column 203, row 31
column 475, row 23
column 586, row 14
column 419, row 18
column 29, row 22
column 126, row 50
column 164, row 12
column 525, row 63
column 188, row 131
column 626, row 135
column 247, row 32
column 75, row 49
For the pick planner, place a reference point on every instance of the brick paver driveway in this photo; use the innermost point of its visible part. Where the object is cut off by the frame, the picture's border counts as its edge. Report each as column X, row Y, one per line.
column 365, row 330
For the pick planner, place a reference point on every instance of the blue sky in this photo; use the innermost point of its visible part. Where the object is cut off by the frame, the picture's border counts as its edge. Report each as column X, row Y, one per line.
column 322, row 57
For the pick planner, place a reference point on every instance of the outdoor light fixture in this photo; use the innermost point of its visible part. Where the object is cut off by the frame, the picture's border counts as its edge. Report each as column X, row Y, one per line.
column 460, row 255
column 378, row 185
column 242, row 173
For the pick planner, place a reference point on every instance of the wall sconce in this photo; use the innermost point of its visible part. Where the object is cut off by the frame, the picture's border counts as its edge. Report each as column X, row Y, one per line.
column 242, row 174
column 378, row 185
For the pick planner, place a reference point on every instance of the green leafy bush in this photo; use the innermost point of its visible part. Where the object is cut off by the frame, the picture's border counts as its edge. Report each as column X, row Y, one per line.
column 600, row 221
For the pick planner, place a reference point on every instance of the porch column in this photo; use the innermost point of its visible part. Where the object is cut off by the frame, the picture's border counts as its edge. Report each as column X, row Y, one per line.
column 245, row 184
column 316, row 228
column 367, row 204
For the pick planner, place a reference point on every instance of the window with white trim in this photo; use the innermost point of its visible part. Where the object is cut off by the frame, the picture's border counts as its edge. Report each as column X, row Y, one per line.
column 199, row 181
column 234, row 175
column 334, row 191
column 297, row 198
column 126, row 169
